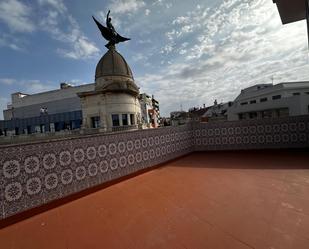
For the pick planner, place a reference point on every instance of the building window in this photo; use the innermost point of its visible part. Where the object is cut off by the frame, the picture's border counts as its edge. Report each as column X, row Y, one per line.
column 52, row 127
column 132, row 119
column 244, row 103
column 29, row 129
column 240, row 116
column 57, row 126
column 42, row 128
column 252, row 101
column 124, row 119
column 37, row 129
column 67, row 125
column 263, row 99
column 95, row 122
column 283, row 112
column 296, row 94
column 253, row 115
column 115, row 119
column 267, row 114
column 276, row 97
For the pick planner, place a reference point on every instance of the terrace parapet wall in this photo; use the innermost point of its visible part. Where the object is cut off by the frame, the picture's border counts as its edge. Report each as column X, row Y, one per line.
column 37, row 173
column 272, row 133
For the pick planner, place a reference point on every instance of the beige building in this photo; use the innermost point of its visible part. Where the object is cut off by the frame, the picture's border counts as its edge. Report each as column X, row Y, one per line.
column 113, row 105
column 150, row 111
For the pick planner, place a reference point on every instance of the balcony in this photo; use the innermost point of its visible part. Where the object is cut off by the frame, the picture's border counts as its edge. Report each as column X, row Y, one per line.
column 81, row 192
column 236, row 200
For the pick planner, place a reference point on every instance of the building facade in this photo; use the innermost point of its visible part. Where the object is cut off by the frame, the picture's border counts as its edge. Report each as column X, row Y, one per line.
column 44, row 112
column 150, row 110
column 271, row 101
column 114, row 103
column 179, row 118
column 216, row 112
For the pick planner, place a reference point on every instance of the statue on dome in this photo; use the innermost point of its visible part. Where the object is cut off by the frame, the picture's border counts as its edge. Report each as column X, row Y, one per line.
column 109, row 32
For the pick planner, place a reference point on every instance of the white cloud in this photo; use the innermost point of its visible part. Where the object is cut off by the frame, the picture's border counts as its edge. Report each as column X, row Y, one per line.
column 56, row 4
column 53, row 13
column 7, row 81
column 147, row 12
column 181, row 20
column 146, row 41
column 125, row 6
column 16, row 15
column 183, row 51
column 232, row 46
column 80, row 47
column 168, row 5
column 36, row 86
column 10, row 42
column 28, row 86
column 158, row 2
column 167, row 49
column 139, row 57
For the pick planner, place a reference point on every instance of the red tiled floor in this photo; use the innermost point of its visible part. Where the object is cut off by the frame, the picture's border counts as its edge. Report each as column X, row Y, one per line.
column 228, row 200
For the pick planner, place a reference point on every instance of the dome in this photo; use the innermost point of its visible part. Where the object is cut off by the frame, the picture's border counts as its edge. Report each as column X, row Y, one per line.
column 113, row 64
column 113, row 74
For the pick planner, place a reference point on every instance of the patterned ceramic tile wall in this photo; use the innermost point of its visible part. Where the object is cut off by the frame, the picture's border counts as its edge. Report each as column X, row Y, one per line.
column 35, row 174
column 292, row 132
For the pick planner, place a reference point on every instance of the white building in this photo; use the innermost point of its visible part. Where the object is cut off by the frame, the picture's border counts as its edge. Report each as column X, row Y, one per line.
column 216, row 112
column 270, row 101
column 110, row 104
column 61, row 100
column 149, row 110
column 180, row 118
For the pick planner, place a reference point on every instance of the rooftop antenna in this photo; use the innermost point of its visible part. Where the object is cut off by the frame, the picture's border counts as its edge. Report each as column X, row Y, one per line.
column 181, row 107
column 272, row 79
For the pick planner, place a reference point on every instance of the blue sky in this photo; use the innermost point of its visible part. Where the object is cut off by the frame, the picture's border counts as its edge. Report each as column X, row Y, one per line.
column 186, row 53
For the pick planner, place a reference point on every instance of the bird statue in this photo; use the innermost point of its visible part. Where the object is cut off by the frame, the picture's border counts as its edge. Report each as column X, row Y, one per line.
column 109, row 32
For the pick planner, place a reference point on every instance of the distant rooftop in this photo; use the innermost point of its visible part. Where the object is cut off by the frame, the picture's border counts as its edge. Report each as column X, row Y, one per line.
column 259, row 89
column 65, row 91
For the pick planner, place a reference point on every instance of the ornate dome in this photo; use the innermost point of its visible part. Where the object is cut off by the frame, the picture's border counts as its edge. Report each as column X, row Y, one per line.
column 113, row 64
column 113, row 74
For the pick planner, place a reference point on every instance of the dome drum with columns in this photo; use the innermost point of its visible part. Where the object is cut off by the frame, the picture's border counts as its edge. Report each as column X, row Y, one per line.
column 114, row 104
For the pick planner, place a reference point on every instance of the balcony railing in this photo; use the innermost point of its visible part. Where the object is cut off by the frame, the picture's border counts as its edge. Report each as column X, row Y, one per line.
column 124, row 128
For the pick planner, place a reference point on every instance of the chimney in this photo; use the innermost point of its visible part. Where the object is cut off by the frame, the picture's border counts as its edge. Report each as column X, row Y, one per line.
column 64, row 85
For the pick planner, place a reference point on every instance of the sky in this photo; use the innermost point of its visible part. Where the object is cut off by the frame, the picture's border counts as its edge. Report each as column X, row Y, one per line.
column 185, row 53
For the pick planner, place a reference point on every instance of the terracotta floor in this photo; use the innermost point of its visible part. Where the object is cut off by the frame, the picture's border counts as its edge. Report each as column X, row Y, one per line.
column 228, row 200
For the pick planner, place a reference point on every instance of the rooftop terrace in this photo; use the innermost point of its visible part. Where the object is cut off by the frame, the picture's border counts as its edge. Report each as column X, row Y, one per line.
column 244, row 199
